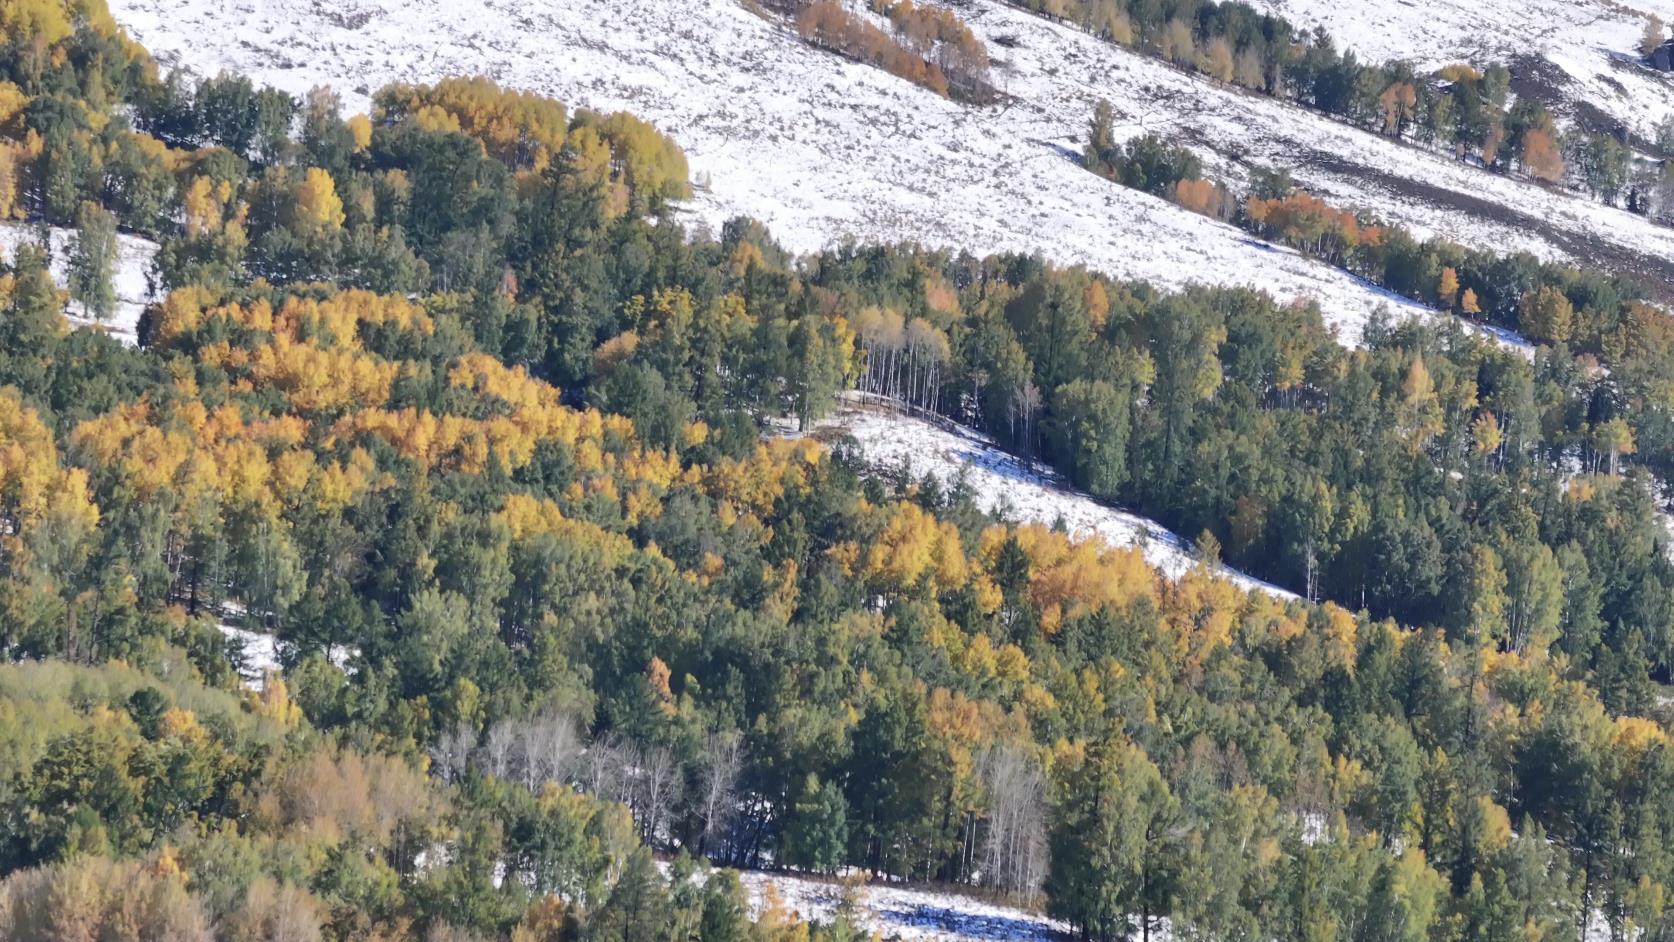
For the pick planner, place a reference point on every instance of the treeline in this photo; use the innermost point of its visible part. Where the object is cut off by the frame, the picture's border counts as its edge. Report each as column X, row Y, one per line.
column 1590, row 312
column 928, row 45
column 1460, row 108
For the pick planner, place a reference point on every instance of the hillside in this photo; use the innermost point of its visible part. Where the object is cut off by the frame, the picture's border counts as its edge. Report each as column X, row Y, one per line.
column 851, row 152
column 1001, row 483
column 847, row 151
column 1578, row 56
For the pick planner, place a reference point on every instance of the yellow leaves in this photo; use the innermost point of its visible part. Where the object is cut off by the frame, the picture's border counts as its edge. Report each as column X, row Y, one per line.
column 48, row 19
column 913, row 547
column 1485, row 433
column 339, row 318
column 1342, row 635
column 1636, row 734
column 336, row 486
column 206, row 206
column 615, row 351
column 29, row 470
column 360, row 127
column 187, row 309
column 14, row 166
column 12, row 102
column 754, row 484
column 1448, row 288
column 694, row 434
column 318, row 207
column 316, row 380
column 1070, row 576
column 1203, row 609
column 521, row 129
column 292, row 471
column 525, row 516
column 650, row 162
column 657, row 676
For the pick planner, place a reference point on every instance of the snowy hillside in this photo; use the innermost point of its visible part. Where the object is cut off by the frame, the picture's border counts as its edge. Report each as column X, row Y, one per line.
column 817, row 147
column 1588, row 45
column 133, row 292
column 821, row 148
column 1002, row 483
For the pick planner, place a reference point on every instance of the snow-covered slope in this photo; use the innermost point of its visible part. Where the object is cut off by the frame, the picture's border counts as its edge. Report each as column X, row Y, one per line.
column 133, row 291
column 898, row 912
column 1591, row 45
column 1002, row 483
column 821, row 148
column 818, row 147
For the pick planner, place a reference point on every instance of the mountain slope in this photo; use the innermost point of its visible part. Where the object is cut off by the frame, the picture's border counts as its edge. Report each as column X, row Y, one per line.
column 1581, row 50
column 817, row 147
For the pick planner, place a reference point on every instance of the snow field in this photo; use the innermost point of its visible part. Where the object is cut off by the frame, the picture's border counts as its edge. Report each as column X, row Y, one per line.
column 1002, row 483
column 817, row 147
column 1592, row 42
column 897, row 912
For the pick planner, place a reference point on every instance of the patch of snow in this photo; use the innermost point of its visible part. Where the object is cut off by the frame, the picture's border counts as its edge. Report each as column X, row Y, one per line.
column 1000, row 482
column 900, row 912
column 261, row 653
column 133, row 288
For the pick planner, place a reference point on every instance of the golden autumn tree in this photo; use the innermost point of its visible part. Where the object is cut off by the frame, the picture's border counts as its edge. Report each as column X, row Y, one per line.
column 1447, row 290
column 318, row 207
column 1541, row 156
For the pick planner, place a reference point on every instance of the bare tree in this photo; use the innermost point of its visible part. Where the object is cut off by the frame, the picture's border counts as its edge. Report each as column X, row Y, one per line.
column 723, row 762
column 1015, row 853
column 452, row 753
column 499, row 753
column 605, row 768
column 551, row 748
column 656, row 787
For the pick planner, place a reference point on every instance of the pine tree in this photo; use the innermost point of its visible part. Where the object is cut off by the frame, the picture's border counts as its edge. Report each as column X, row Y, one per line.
column 93, row 260
column 819, row 834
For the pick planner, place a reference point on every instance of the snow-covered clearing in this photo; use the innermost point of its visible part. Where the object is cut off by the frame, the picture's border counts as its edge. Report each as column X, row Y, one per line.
column 133, row 291
column 899, row 912
column 823, row 149
column 260, row 650
column 1002, row 483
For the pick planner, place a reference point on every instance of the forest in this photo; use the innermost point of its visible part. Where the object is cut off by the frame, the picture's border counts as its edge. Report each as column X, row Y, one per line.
column 446, row 400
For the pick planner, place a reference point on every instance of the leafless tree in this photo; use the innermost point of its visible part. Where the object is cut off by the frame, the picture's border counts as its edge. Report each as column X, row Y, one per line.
column 605, row 768
column 723, row 762
column 551, row 748
column 1014, row 856
column 452, row 753
column 656, row 786
column 499, row 753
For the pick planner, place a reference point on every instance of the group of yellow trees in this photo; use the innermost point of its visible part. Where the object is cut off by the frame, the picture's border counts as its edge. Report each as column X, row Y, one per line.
column 526, row 131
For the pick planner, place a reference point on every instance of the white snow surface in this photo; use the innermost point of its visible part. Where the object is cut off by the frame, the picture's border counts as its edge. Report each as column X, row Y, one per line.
column 1593, row 43
column 133, row 290
column 1002, row 483
column 261, row 653
column 822, row 149
column 899, row 912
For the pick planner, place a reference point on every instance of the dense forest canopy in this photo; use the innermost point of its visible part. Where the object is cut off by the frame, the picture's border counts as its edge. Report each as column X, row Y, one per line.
column 445, row 400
